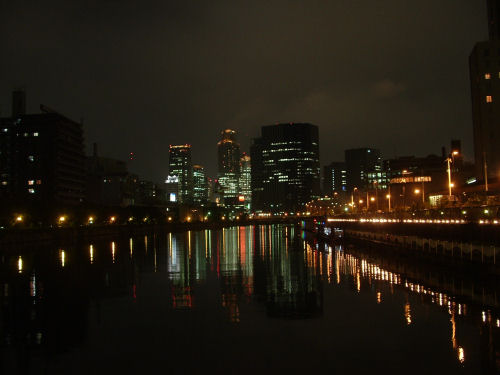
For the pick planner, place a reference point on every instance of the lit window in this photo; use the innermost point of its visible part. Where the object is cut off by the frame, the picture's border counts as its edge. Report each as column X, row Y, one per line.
column 26, row 134
column 4, row 183
column 489, row 99
column 5, row 130
column 31, row 158
column 31, row 191
column 487, row 76
column 38, row 182
column 31, row 182
column 35, row 134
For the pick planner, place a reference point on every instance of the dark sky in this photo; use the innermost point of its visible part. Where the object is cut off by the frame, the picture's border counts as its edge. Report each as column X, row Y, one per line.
column 391, row 74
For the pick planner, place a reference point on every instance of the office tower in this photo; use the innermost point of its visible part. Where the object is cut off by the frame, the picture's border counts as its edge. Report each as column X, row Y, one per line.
column 200, row 188
column 228, row 151
column 359, row 162
column 334, row 178
column 285, row 167
column 484, row 67
column 43, row 161
column 246, row 181
column 180, row 166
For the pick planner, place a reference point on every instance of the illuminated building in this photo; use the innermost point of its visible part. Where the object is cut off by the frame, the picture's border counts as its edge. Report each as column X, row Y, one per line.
column 285, row 167
column 359, row 162
column 334, row 178
column 43, row 160
column 181, row 167
column 246, row 181
column 484, row 67
column 200, row 189
column 228, row 151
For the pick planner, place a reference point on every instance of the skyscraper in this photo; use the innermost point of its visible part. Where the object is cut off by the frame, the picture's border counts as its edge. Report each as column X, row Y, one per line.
column 285, row 167
column 359, row 162
column 246, row 181
column 180, row 166
column 200, row 188
column 484, row 66
column 228, row 151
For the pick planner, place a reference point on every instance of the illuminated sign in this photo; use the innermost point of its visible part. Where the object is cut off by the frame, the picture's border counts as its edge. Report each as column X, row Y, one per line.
column 410, row 179
column 173, row 197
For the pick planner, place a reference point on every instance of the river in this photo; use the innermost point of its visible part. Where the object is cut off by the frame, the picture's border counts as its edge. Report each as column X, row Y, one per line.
column 239, row 300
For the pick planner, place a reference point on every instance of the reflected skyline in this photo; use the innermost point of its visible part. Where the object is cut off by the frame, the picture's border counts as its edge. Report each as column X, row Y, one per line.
column 235, row 268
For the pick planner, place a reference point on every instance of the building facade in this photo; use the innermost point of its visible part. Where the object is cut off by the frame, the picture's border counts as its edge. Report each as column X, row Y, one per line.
column 285, row 167
column 359, row 162
column 484, row 67
column 181, row 167
column 228, row 161
column 42, row 158
column 200, row 188
column 245, row 183
column 334, row 178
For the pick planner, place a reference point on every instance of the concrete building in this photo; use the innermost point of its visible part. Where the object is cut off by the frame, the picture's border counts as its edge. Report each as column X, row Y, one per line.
column 484, row 66
column 42, row 157
column 200, row 188
column 359, row 162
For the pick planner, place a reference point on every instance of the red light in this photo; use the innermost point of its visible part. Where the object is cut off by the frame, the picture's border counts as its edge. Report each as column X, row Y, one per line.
column 241, row 198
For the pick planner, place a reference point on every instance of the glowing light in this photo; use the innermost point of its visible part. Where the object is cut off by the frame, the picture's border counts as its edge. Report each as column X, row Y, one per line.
column 113, row 252
column 91, row 220
column 408, row 313
column 62, row 256
column 91, row 251
column 62, row 219
column 372, row 199
column 112, row 219
column 379, row 297
column 455, row 152
column 461, row 354
column 20, row 264
column 188, row 219
column 361, row 201
column 417, row 191
column 19, row 218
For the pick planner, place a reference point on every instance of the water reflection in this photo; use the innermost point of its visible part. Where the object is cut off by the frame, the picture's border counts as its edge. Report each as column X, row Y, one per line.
column 46, row 304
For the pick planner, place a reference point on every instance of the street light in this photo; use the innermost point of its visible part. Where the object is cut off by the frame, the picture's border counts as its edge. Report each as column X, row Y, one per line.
column 388, row 196
column 448, row 161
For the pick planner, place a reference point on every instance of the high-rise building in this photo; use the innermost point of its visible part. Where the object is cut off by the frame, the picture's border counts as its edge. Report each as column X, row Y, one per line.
column 229, row 164
column 484, row 67
column 359, row 162
column 180, row 166
column 285, row 167
column 246, row 181
column 200, row 188
column 42, row 158
column 334, row 178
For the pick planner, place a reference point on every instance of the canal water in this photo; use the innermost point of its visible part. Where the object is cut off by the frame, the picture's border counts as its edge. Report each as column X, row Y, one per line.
column 242, row 300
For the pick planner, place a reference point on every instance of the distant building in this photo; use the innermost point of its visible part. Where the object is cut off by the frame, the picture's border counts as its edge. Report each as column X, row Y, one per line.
column 172, row 189
column 108, row 182
column 484, row 63
column 334, row 178
column 245, row 183
column 359, row 162
column 285, row 167
column 200, row 188
column 42, row 157
column 180, row 166
column 228, row 151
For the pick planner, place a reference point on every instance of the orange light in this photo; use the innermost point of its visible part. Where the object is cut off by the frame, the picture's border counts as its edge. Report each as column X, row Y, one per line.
column 241, row 198
column 417, row 191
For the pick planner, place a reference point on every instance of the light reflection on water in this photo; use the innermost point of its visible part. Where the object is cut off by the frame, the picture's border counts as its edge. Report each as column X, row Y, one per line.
column 250, row 273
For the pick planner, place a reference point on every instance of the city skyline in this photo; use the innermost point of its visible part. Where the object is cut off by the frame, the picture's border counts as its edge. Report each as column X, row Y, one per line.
column 411, row 79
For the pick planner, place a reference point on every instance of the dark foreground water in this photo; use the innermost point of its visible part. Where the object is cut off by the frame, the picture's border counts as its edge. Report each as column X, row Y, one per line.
column 244, row 300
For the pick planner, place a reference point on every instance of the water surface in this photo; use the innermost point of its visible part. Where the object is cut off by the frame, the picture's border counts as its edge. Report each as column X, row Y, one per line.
column 239, row 300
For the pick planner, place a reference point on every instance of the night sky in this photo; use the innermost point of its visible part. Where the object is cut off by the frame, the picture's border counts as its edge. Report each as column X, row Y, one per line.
column 391, row 74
